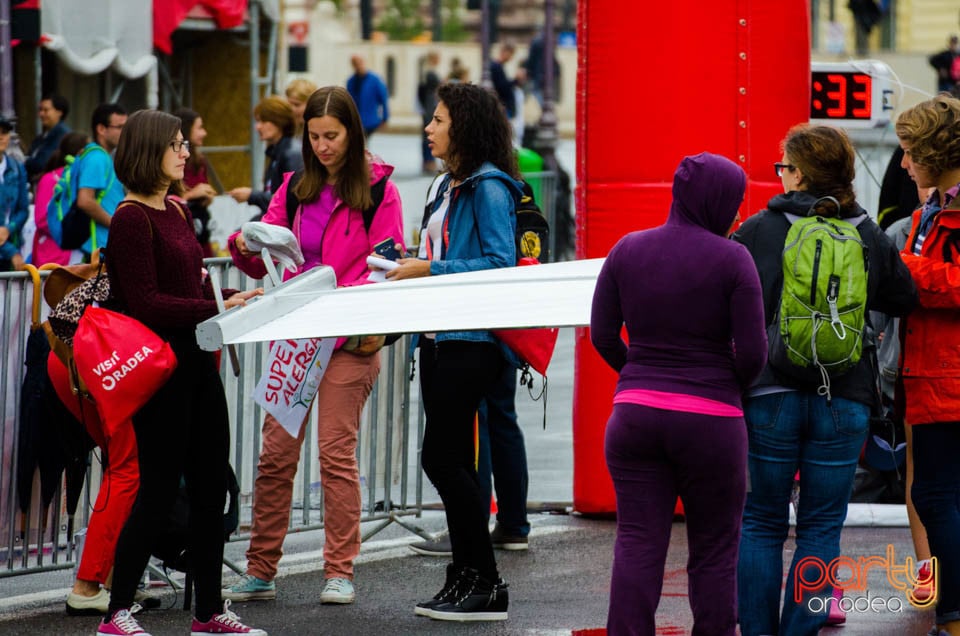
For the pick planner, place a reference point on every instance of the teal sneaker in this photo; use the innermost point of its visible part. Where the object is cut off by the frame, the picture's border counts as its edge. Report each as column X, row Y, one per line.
column 250, row 588
column 337, row 590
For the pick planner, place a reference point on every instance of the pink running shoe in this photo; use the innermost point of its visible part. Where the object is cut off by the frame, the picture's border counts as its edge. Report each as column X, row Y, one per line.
column 836, row 616
column 226, row 623
column 122, row 623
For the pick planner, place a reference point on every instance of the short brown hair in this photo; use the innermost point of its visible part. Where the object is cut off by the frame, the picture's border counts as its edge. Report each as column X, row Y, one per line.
column 277, row 111
column 931, row 131
column 353, row 180
column 139, row 158
column 826, row 158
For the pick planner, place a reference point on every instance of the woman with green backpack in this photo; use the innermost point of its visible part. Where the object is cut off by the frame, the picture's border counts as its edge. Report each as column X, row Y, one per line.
column 822, row 263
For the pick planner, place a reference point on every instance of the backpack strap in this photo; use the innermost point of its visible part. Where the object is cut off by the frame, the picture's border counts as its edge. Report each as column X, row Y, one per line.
column 100, row 196
column 292, row 202
column 377, row 192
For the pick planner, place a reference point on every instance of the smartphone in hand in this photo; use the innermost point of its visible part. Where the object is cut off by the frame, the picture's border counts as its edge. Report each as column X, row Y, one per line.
column 387, row 249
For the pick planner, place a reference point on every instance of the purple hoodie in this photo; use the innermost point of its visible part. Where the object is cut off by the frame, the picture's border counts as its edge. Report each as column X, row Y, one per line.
column 689, row 297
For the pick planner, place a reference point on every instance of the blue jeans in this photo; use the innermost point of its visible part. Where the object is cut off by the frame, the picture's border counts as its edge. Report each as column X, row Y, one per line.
column 936, row 495
column 503, row 453
column 787, row 432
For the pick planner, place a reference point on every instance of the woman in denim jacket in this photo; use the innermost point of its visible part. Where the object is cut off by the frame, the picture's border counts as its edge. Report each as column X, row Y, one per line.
column 470, row 226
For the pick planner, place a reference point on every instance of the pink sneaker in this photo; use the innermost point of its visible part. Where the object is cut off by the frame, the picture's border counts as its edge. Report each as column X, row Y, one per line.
column 122, row 623
column 836, row 616
column 226, row 623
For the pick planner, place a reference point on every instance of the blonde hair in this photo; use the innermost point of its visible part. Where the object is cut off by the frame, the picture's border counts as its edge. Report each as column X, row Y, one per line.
column 300, row 89
column 931, row 131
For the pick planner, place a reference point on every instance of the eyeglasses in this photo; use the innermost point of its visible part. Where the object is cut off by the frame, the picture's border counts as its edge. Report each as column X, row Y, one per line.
column 780, row 167
column 179, row 145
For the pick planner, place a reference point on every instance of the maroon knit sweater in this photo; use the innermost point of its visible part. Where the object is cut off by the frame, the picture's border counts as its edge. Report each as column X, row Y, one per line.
column 155, row 264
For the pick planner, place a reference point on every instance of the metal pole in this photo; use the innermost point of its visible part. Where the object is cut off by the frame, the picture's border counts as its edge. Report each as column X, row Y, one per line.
column 6, row 62
column 546, row 140
column 37, row 88
column 437, row 20
column 256, row 158
column 366, row 19
column 485, row 44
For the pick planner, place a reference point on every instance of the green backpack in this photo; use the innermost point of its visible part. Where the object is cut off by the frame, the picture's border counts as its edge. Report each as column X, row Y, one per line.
column 819, row 330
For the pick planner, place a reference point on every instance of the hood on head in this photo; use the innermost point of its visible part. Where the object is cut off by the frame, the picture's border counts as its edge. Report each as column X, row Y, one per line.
column 707, row 192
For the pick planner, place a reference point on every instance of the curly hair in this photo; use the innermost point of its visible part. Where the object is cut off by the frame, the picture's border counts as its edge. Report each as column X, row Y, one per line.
column 931, row 132
column 479, row 130
column 825, row 157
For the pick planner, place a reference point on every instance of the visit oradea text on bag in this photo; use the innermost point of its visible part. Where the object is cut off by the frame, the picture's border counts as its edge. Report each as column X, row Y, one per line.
column 122, row 362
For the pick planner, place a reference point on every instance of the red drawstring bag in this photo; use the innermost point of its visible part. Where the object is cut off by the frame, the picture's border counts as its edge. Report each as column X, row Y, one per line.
column 121, row 361
column 533, row 346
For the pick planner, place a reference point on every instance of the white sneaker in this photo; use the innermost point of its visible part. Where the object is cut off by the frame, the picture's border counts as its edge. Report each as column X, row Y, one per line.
column 337, row 590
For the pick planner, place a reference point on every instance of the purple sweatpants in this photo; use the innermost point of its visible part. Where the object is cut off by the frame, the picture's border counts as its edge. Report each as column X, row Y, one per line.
column 653, row 456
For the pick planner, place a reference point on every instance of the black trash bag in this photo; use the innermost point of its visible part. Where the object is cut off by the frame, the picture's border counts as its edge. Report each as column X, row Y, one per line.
column 171, row 547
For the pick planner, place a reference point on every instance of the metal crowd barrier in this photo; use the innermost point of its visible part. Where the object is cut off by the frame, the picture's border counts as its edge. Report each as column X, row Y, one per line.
column 388, row 450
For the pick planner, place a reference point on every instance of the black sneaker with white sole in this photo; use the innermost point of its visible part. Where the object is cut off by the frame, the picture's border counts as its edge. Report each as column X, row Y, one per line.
column 476, row 599
column 446, row 593
column 508, row 541
column 438, row 546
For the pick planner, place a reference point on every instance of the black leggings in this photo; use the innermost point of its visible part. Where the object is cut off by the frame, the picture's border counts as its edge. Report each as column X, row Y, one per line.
column 454, row 376
column 182, row 431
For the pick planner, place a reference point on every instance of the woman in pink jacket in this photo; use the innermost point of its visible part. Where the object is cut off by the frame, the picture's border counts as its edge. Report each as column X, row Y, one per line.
column 339, row 182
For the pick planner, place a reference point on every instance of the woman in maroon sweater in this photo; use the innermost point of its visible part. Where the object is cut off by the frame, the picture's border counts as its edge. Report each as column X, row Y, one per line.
column 156, row 277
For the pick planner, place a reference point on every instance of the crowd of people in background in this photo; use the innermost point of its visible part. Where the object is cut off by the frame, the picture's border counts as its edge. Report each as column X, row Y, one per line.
column 699, row 413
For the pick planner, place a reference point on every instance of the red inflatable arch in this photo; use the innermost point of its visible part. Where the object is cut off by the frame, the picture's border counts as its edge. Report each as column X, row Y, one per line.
column 658, row 81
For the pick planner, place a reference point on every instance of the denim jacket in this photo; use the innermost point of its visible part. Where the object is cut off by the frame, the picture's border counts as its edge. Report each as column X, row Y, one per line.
column 14, row 206
column 480, row 230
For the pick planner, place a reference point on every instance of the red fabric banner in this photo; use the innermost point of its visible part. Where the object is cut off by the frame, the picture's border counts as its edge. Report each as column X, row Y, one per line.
column 168, row 14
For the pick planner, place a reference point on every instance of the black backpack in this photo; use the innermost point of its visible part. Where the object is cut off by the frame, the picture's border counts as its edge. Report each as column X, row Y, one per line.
column 171, row 545
column 377, row 191
column 533, row 230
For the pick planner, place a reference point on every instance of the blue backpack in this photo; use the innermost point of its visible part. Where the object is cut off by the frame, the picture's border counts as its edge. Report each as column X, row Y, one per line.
column 69, row 226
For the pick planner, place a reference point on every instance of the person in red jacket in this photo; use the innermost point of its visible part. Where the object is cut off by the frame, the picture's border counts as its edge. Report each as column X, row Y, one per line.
column 929, row 134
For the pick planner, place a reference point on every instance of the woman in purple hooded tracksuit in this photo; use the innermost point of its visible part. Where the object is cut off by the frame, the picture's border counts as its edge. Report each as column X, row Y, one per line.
column 692, row 306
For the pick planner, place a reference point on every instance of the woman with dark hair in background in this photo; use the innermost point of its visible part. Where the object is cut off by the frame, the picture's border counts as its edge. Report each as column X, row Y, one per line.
column 276, row 127
column 45, row 249
column 337, row 186
column 183, row 431
column 198, row 191
column 469, row 226
column 791, row 423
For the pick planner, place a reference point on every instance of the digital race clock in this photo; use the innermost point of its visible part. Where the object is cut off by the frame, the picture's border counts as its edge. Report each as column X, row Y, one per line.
column 851, row 94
